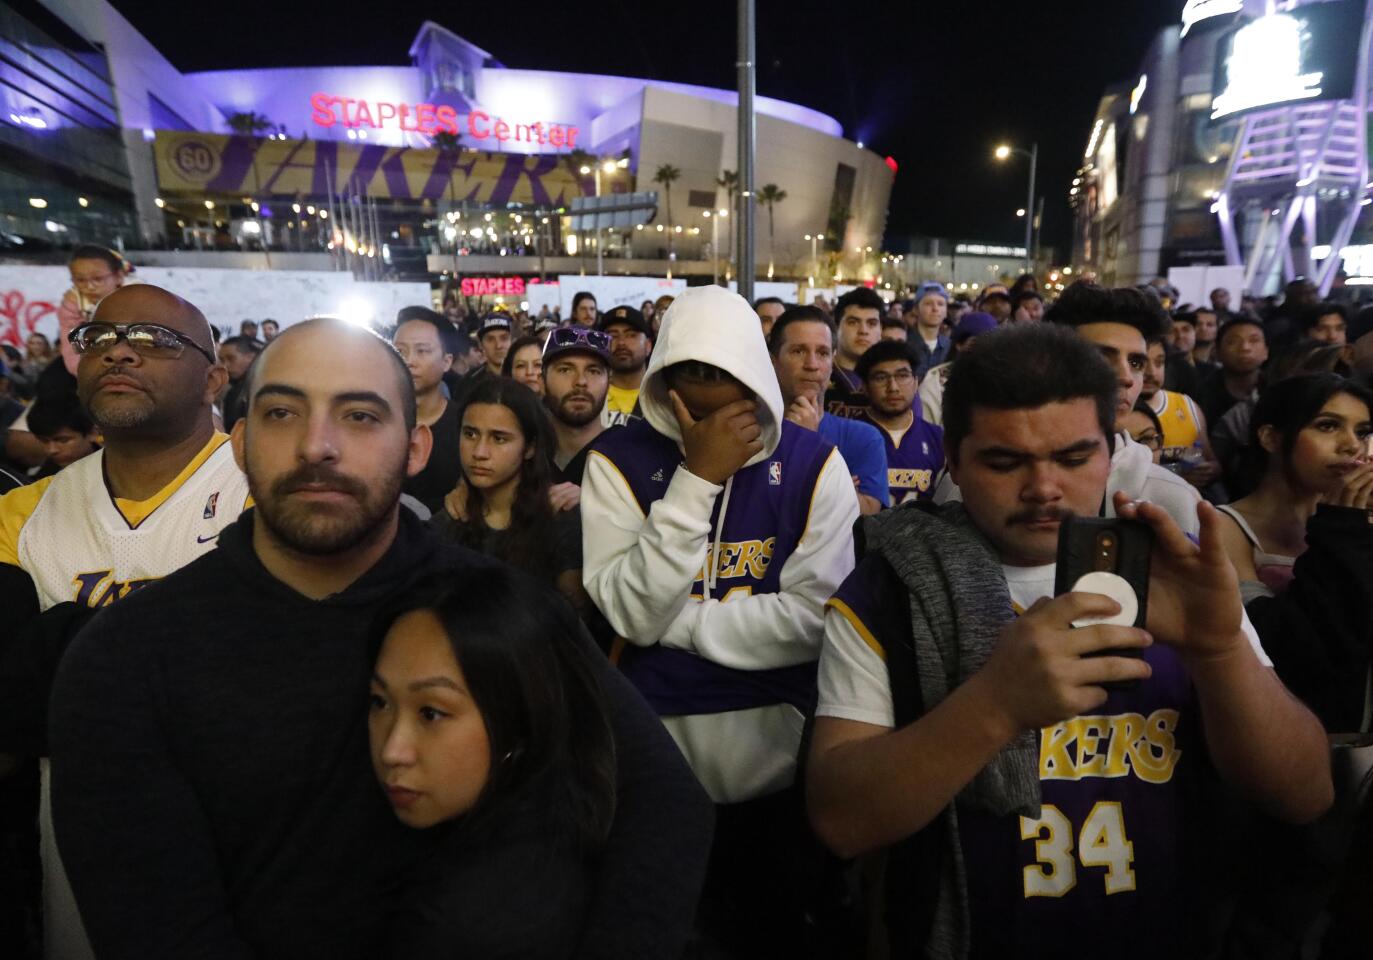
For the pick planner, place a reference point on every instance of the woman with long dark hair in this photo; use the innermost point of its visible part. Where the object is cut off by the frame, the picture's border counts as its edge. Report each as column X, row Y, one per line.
column 500, row 506
column 524, row 362
column 487, row 725
column 1303, row 537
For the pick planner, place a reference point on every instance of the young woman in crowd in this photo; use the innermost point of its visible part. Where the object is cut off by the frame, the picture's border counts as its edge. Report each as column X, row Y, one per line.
column 1303, row 537
column 524, row 363
column 1143, row 426
column 501, row 507
column 488, row 728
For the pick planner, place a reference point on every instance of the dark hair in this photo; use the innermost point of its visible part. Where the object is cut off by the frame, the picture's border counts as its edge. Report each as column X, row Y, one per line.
column 272, row 322
column 699, row 371
column 1021, row 367
column 526, row 546
column 884, row 351
column 91, row 251
column 1188, row 317
column 243, row 342
column 1142, row 406
column 53, row 413
column 1026, row 294
column 408, row 408
column 762, row 300
column 1312, row 315
column 581, row 295
column 1026, row 282
column 528, row 669
column 1288, row 406
column 1085, row 302
column 896, row 323
column 804, row 313
column 529, row 340
column 864, row 298
column 1239, row 320
column 448, row 334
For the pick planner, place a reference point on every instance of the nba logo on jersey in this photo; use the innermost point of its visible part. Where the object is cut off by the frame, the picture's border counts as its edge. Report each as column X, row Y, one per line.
column 210, row 505
column 775, row 473
column 924, row 448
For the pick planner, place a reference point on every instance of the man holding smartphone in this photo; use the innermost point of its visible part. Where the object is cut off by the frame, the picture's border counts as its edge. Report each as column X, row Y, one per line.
column 1028, row 804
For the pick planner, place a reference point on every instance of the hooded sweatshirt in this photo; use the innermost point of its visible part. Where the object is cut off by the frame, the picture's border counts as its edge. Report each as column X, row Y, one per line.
column 1133, row 471
column 725, row 650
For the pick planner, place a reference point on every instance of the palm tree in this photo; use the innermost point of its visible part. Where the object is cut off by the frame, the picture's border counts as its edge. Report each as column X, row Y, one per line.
column 769, row 196
column 251, row 125
column 666, row 174
column 728, row 180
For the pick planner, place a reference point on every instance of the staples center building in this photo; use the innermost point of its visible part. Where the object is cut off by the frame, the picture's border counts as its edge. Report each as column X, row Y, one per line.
column 370, row 131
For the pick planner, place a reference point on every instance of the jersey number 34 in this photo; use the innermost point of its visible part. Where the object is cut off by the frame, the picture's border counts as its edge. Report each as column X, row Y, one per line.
column 1101, row 843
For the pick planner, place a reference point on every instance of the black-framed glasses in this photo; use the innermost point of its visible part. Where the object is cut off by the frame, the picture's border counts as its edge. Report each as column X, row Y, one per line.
column 597, row 340
column 149, row 339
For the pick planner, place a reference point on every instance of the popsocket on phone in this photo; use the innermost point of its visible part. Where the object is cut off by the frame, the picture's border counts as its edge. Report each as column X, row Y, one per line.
column 1111, row 585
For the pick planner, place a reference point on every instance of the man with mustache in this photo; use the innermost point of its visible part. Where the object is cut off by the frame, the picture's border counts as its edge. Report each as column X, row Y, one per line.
column 576, row 376
column 152, row 500
column 968, row 724
column 212, row 794
column 631, row 342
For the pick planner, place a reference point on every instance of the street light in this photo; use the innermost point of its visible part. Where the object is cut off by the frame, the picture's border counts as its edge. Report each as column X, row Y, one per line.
column 814, row 259
column 1003, row 152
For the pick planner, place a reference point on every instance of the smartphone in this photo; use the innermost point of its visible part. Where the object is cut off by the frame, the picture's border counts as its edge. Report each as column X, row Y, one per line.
column 1109, row 556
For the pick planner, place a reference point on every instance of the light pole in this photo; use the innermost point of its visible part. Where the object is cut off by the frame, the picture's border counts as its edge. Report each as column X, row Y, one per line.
column 814, row 257
column 1003, row 152
column 715, row 218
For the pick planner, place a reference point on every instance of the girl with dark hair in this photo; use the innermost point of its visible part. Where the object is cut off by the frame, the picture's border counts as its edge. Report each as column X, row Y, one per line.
column 1308, row 445
column 1143, row 425
column 524, row 363
column 1303, row 536
column 501, row 505
column 487, row 725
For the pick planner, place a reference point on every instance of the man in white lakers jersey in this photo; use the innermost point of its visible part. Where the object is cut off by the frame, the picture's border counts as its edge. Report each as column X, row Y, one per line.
column 151, row 501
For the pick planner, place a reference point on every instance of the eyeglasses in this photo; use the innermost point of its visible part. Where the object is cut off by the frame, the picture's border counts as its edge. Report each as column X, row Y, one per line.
column 149, row 339
column 900, row 377
column 597, row 340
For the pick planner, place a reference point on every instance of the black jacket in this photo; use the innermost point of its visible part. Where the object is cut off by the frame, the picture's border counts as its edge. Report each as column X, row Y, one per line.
column 212, row 795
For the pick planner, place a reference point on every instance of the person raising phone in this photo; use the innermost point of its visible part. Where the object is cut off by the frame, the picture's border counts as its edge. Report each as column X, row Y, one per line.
column 962, row 727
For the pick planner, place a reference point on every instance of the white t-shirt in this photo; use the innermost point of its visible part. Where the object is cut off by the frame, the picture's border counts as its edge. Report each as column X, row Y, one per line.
column 853, row 673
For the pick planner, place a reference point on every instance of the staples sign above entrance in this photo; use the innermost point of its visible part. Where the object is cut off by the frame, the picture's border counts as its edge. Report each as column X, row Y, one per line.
column 476, row 127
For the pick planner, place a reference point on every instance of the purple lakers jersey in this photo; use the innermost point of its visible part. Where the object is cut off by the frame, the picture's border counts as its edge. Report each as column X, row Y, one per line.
column 767, row 513
column 914, row 461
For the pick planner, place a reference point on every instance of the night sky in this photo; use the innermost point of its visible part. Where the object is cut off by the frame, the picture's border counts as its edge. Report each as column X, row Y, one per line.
column 934, row 83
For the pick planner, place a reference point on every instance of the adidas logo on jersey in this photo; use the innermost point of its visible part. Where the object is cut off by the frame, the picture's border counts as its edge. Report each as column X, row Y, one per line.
column 657, row 475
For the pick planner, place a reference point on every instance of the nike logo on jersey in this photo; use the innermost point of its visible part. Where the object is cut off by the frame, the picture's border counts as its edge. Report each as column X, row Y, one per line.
column 213, row 536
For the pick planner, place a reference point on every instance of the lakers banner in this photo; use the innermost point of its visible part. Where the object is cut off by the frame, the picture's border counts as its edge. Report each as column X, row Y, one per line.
column 253, row 166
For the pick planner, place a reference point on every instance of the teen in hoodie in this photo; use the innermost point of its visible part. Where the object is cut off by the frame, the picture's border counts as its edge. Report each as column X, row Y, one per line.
column 1119, row 323
column 716, row 532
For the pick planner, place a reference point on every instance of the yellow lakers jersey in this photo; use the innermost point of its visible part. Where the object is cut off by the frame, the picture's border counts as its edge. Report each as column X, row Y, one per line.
column 78, row 543
column 1180, row 421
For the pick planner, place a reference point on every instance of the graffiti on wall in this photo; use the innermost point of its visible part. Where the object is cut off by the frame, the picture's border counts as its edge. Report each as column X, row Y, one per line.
column 20, row 317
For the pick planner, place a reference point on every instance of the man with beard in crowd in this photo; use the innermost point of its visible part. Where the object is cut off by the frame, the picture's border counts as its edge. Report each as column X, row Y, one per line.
column 152, row 500
column 584, row 312
column 576, row 377
column 631, row 342
column 212, row 792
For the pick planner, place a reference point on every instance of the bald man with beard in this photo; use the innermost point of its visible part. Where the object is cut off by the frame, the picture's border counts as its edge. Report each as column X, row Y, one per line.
column 151, row 501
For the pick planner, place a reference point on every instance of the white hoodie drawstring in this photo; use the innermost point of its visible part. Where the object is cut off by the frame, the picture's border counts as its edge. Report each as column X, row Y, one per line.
column 713, row 558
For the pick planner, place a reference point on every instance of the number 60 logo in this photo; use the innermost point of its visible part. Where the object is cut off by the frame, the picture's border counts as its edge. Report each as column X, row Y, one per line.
column 195, row 160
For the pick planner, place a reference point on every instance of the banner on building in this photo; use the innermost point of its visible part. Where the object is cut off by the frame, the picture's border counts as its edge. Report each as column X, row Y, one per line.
column 207, row 163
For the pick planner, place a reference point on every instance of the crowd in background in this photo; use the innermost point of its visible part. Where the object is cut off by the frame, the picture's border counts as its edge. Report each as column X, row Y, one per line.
column 817, row 541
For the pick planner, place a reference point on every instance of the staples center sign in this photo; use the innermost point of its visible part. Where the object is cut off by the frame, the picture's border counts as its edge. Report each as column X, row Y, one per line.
column 429, row 119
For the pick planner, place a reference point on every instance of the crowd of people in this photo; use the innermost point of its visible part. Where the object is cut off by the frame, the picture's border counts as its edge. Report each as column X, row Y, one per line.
column 699, row 629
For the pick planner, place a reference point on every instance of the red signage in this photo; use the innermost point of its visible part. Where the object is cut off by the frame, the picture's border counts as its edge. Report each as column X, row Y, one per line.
column 428, row 119
column 492, row 286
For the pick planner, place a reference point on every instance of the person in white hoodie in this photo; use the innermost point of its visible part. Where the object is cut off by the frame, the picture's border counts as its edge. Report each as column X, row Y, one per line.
column 715, row 531
column 1119, row 322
